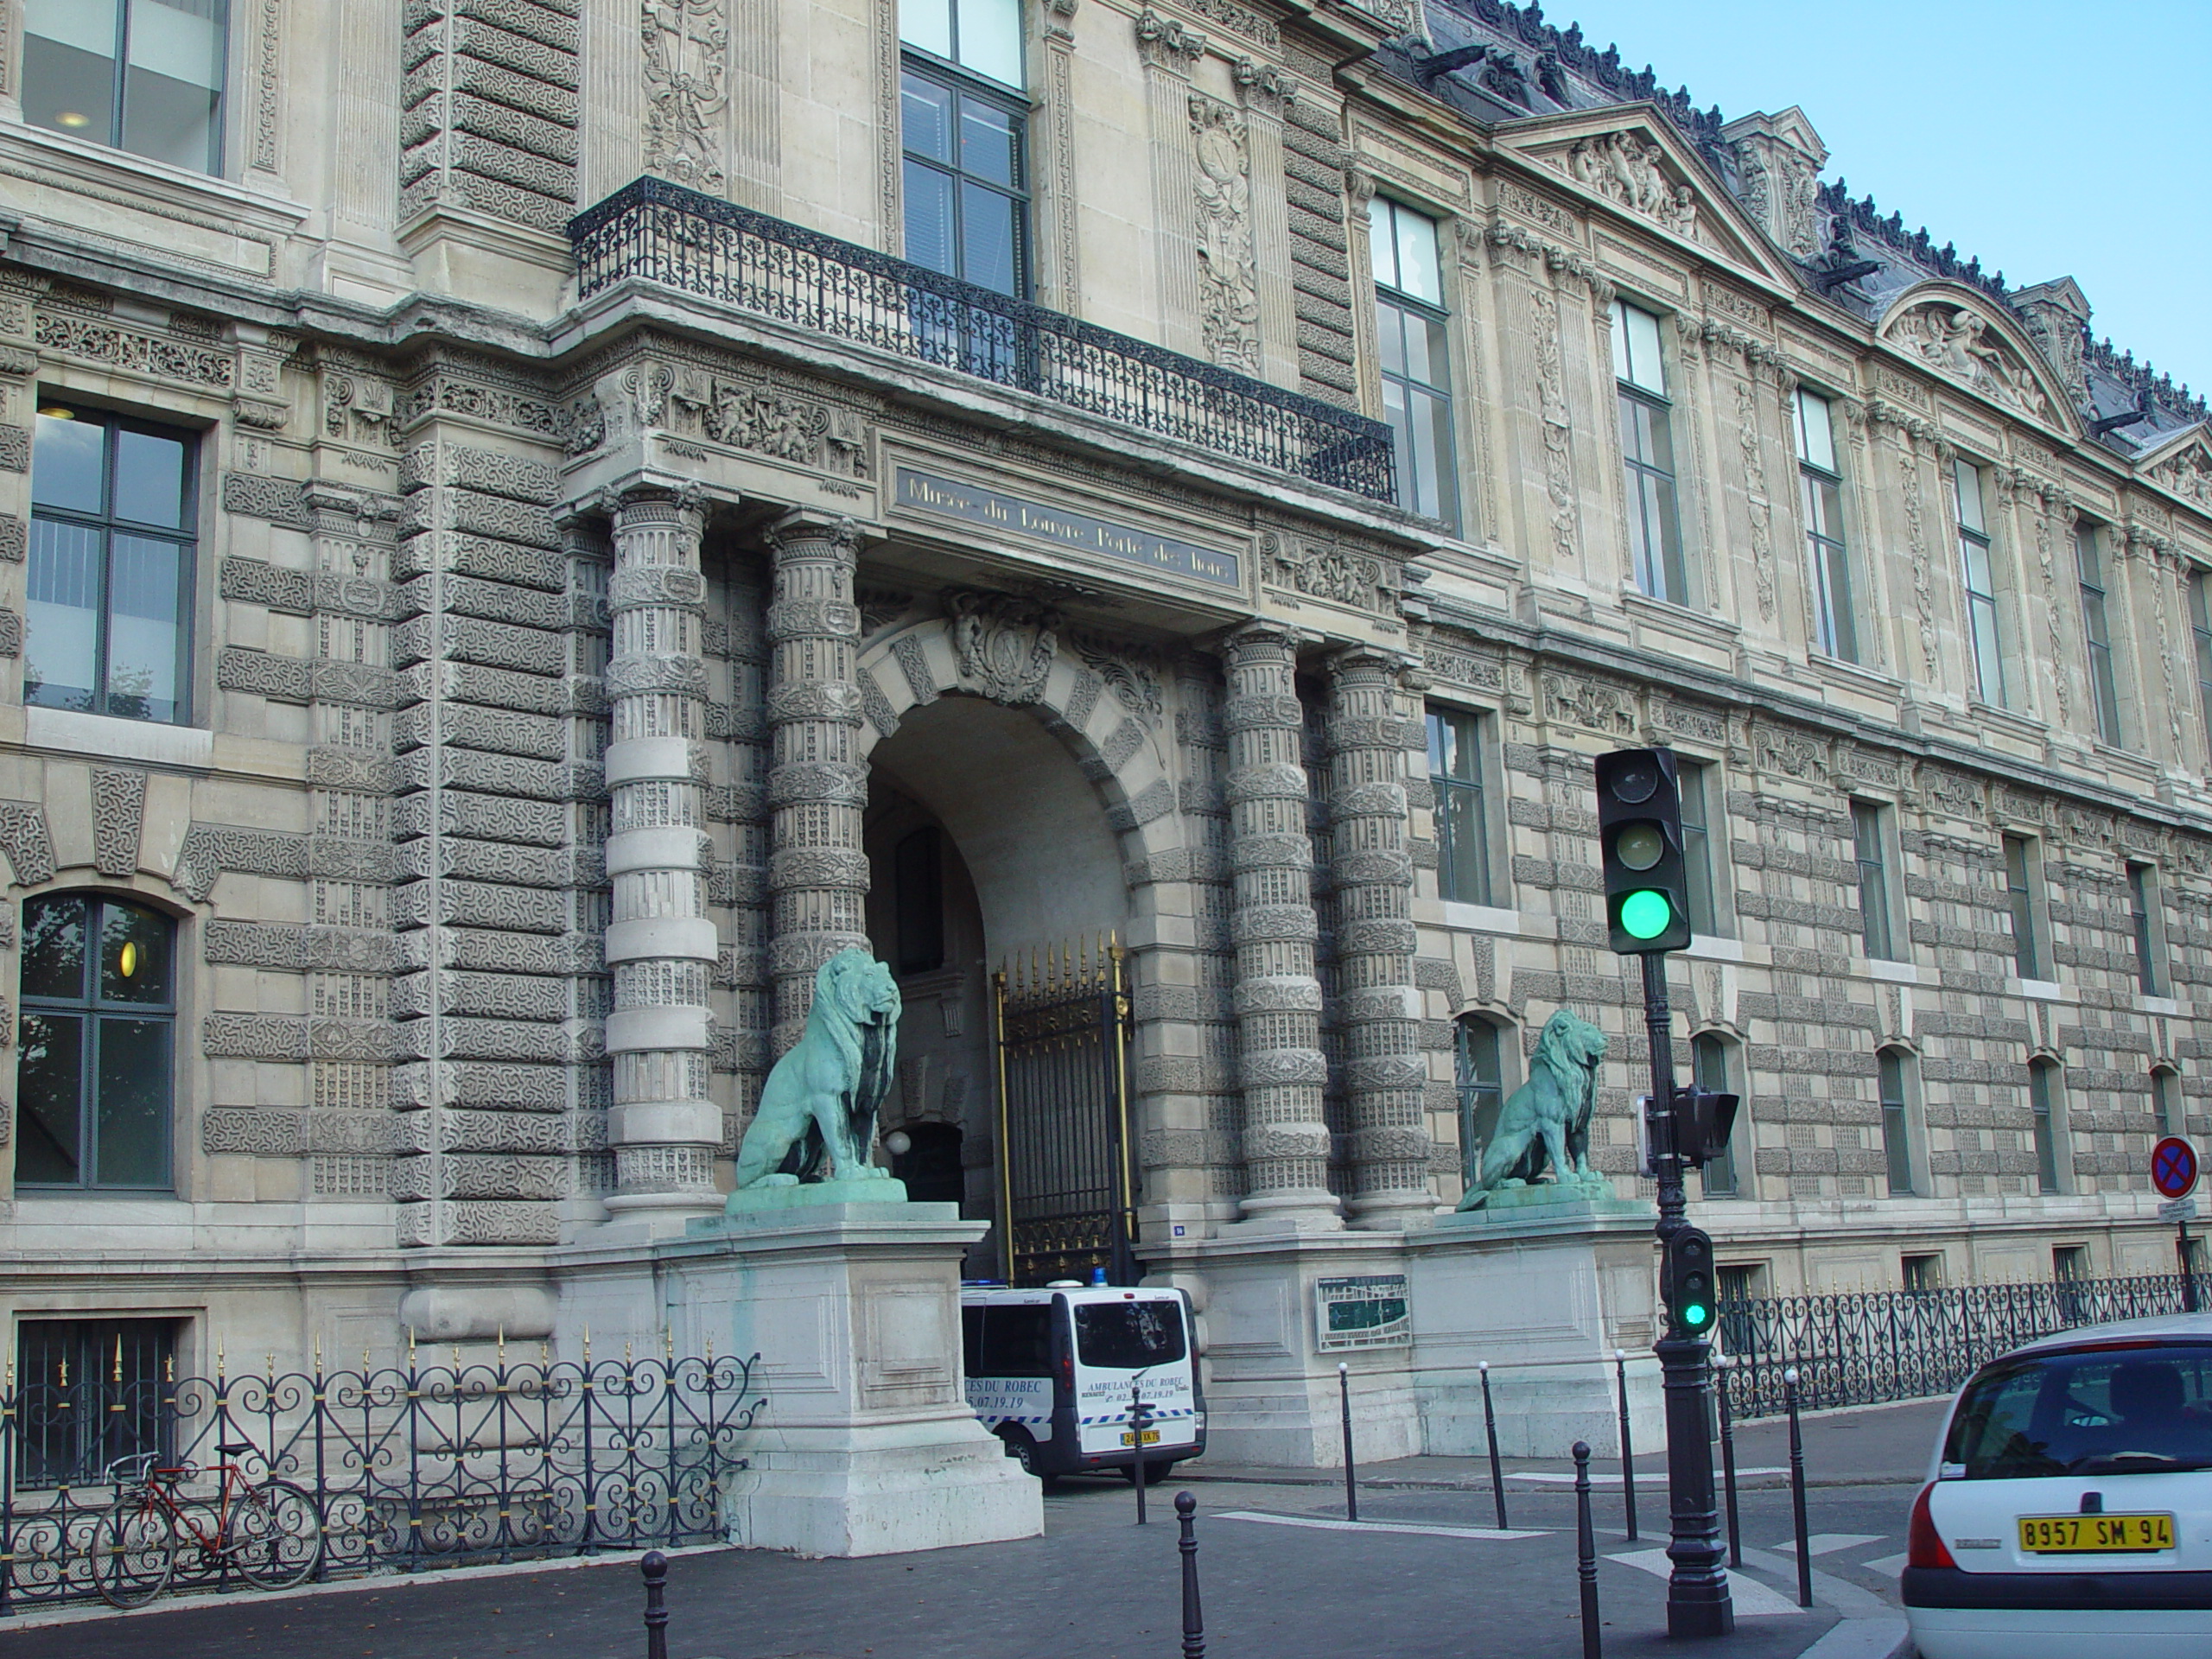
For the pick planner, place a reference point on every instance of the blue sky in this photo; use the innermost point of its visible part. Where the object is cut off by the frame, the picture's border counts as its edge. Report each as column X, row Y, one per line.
column 2051, row 140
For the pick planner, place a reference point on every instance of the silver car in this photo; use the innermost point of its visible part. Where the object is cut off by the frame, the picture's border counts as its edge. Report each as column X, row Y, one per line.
column 2068, row 1512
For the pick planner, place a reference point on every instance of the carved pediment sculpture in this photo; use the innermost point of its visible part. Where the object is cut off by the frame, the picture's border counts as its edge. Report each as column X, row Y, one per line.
column 1962, row 344
column 1630, row 171
column 2188, row 475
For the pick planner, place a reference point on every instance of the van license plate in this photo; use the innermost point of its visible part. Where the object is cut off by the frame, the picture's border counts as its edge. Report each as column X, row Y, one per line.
column 2095, row 1534
column 1151, row 1437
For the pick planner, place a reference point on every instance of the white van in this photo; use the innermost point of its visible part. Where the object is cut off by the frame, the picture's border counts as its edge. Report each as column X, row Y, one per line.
column 1055, row 1372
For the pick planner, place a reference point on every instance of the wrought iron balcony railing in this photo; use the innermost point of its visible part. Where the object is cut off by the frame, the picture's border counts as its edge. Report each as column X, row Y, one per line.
column 662, row 234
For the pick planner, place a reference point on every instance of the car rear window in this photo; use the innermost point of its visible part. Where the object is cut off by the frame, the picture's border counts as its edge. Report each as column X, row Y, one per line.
column 2144, row 1409
column 1129, row 1336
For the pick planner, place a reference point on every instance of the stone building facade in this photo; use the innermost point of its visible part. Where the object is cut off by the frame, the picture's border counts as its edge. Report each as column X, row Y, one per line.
column 602, row 521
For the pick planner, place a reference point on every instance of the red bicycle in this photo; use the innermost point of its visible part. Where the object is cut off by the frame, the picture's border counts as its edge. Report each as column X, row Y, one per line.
column 267, row 1531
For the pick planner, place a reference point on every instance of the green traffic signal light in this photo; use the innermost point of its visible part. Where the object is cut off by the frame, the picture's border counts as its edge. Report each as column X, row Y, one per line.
column 1646, row 913
column 1695, row 1316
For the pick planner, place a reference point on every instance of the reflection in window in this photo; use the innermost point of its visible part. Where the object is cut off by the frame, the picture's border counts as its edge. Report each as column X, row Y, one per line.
column 110, row 566
column 1981, row 586
column 1417, row 369
column 93, row 1076
column 1655, row 531
column 142, row 75
column 1481, row 1084
column 1897, row 1130
column 2042, row 1090
column 1870, row 845
column 2021, row 897
column 1455, row 773
column 2096, row 633
column 962, row 125
column 1691, row 779
column 1834, row 629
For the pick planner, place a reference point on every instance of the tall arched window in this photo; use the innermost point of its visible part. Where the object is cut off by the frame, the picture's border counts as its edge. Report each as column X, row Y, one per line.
column 94, row 1091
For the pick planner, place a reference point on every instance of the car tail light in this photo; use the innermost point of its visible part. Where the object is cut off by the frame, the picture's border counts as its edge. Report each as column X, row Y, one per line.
column 1067, row 1369
column 1923, row 1545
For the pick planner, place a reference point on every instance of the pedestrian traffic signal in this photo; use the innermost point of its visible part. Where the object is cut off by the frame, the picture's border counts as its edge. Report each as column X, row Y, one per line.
column 1703, row 1121
column 1685, row 1280
column 1640, row 834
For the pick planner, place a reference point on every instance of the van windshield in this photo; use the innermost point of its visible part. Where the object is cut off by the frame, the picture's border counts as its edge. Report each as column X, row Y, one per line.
column 1129, row 1336
column 2144, row 1409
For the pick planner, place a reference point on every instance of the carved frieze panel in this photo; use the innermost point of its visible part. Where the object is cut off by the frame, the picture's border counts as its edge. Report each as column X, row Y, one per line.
column 1228, row 267
column 1594, row 705
column 1631, row 172
column 115, row 347
column 2188, row 475
column 1959, row 342
column 1330, row 570
column 686, row 63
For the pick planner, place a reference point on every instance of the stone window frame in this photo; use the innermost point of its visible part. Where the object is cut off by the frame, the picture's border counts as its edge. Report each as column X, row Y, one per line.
column 2027, row 899
column 1489, row 749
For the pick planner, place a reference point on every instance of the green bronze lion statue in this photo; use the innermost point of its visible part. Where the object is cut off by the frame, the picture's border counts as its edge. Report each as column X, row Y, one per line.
column 817, row 1109
column 1547, row 1119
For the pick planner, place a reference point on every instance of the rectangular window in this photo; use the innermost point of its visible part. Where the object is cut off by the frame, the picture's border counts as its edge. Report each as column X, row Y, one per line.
column 1980, row 585
column 2019, row 891
column 1692, row 778
column 2069, row 1262
column 1416, row 368
column 1835, row 626
column 981, row 37
column 1709, row 1069
column 1923, row 1273
column 109, row 583
column 1655, row 531
column 2143, row 912
column 144, row 76
column 967, row 185
column 2165, row 1101
column 1481, row 1081
column 2089, row 575
column 1869, row 843
column 1455, row 773
column 1896, row 1122
column 2200, row 620
column 103, row 1382
column 2041, row 1090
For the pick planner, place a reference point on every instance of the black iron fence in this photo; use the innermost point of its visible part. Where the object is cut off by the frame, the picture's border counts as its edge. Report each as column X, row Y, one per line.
column 660, row 232
column 1862, row 1348
column 408, row 1466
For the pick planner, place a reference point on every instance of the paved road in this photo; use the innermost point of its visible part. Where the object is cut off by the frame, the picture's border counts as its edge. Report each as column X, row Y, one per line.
column 1097, row 1587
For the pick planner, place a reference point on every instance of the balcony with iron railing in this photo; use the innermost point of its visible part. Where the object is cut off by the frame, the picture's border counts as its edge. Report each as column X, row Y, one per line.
column 654, row 232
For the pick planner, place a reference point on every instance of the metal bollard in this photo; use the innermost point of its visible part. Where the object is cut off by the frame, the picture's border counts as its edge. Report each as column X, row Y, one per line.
column 1351, row 1482
column 1138, row 1413
column 1194, row 1624
column 1797, row 1490
column 1585, row 1551
column 1628, row 1449
column 655, row 1569
column 1723, row 1365
column 1490, row 1427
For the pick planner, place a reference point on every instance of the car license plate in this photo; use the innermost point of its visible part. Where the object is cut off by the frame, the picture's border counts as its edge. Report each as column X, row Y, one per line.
column 1151, row 1437
column 2095, row 1534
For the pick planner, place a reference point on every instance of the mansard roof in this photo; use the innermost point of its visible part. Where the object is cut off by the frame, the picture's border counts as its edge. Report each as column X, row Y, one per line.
column 1499, row 64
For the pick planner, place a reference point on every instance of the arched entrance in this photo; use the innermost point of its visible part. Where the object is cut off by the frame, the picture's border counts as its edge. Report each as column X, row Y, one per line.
column 987, row 844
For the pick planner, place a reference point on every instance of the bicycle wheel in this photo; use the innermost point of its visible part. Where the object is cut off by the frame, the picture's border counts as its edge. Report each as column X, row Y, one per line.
column 275, row 1536
column 134, row 1551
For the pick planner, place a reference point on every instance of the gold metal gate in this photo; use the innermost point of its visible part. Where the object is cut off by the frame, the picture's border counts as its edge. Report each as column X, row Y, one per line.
column 1067, row 1199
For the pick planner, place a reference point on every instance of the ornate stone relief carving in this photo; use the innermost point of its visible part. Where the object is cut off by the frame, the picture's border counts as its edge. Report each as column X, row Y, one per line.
column 1749, row 441
column 1551, row 402
column 2189, row 475
column 1630, row 171
column 1915, row 537
column 1958, row 342
column 1328, row 570
column 357, row 408
column 2046, row 558
column 24, row 839
column 268, row 64
column 1004, row 644
column 743, row 414
column 1228, row 270
column 118, row 812
column 1164, row 42
column 126, row 348
column 1591, row 704
column 686, row 60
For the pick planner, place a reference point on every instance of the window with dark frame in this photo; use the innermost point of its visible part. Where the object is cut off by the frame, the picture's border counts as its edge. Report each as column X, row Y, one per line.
column 1415, row 350
column 1479, row 1073
column 91, row 1393
column 1709, row 1071
column 2043, row 1104
column 1870, row 847
column 1835, row 626
column 2199, row 623
column 1896, row 1121
column 1692, row 778
column 2019, row 892
column 1981, row 581
column 1455, row 776
column 2165, row 1100
column 1922, row 1273
column 2143, row 907
column 1655, row 529
column 109, row 587
column 2097, row 635
column 144, row 76
column 963, row 124
column 94, row 1072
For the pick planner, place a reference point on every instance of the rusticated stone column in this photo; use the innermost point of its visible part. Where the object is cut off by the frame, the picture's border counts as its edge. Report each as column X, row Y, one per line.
column 1373, row 874
column 1278, row 999
column 661, row 944
column 817, row 783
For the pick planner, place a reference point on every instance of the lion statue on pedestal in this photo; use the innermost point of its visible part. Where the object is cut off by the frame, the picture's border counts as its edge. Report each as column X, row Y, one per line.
column 1547, row 1119
column 817, row 1109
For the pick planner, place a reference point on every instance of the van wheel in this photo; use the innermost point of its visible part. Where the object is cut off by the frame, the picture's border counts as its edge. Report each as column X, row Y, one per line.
column 1023, row 1451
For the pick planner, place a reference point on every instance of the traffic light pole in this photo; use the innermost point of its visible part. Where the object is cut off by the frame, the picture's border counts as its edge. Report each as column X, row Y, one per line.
column 1697, row 1601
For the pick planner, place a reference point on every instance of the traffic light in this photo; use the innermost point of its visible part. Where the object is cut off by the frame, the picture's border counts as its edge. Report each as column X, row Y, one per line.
column 1685, row 1281
column 1640, row 832
column 1703, row 1123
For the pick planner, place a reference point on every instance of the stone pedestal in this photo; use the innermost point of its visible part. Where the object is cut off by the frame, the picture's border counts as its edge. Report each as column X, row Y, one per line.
column 866, row 1446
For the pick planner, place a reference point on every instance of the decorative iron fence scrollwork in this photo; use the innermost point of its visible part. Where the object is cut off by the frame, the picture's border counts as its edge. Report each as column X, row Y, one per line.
column 408, row 1466
column 661, row 233
column 1863, row 1348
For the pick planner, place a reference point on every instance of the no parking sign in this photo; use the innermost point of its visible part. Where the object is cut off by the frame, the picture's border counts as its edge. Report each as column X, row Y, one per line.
column 2173, row 1167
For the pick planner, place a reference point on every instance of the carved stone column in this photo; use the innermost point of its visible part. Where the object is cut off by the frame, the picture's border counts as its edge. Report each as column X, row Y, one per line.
column 1372, row 871
column 1273, row 924
column 818, row 783
column 661, row 944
